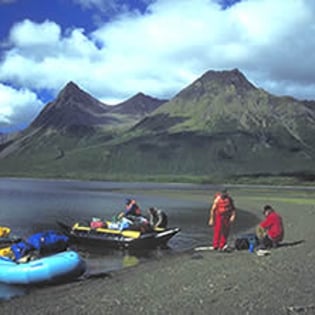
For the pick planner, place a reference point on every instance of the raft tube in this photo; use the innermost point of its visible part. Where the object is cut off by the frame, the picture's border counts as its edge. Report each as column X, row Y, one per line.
column 54, row 268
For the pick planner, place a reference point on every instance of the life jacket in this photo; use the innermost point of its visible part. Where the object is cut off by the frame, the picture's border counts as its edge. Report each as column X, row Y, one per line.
column 224, row 205
column 133, row 209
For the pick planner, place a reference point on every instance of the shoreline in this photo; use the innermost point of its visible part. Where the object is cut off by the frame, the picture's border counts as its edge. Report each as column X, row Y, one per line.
column 201, row 282
column 308, row 185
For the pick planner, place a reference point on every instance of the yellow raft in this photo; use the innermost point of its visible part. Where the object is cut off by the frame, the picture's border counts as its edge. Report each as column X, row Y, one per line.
column 116, row 238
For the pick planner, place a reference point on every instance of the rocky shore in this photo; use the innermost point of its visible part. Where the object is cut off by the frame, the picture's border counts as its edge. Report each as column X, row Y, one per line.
column 198, row 282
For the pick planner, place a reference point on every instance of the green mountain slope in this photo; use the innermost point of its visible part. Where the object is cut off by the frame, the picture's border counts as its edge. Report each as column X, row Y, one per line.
column 76, row 120
column 220, row 127
column 225, row 102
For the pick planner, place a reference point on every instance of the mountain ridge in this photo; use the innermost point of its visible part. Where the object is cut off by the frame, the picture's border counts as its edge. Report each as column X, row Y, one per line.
column 75, row 110
column 218, row 126
column 139, row 104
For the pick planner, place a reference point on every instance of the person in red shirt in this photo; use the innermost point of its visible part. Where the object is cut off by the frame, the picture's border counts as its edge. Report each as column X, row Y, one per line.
column 270, row 231
column 222, row 214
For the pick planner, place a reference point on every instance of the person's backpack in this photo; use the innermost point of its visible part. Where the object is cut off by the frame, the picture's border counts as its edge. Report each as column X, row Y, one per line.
column 244, row 240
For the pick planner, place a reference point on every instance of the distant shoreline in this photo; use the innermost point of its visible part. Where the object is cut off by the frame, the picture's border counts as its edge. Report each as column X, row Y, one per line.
column 301, row 186
column 235, row 181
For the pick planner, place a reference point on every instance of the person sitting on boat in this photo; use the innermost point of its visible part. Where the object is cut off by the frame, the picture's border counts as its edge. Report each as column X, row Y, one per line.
column 157, row 218
column 132, row 210
column 134, row 214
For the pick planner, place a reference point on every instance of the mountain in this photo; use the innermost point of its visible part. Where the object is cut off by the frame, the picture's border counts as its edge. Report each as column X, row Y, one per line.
column 73, row 107
column 139, row 105
column 75, row 118
column 225, row 101
column 220, row 127
column 222, row 103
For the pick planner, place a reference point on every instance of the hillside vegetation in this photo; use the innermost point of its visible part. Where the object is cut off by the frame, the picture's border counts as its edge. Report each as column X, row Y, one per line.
column 219, row 128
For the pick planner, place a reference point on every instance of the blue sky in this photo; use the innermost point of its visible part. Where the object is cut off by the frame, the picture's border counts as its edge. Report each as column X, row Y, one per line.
column 114, row 49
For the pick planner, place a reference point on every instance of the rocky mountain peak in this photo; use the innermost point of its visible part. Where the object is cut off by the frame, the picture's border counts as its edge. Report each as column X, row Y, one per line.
column 73, row 106
column 215, row 82
column 232, row 77
column 139, row 104
column 73, row 96
column 71, row 86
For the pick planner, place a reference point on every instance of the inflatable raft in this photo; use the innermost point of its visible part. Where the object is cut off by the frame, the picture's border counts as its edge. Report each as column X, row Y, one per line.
column 58, row 267
column 114, row 238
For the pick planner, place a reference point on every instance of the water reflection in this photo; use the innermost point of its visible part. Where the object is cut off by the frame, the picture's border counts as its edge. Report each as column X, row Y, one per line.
column 130, row 261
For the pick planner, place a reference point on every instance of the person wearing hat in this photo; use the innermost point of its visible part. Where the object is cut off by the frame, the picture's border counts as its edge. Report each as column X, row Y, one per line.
column 270, row 231
column 158, row 218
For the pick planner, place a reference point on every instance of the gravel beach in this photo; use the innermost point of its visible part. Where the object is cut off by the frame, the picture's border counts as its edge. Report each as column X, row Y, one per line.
column 200, row 282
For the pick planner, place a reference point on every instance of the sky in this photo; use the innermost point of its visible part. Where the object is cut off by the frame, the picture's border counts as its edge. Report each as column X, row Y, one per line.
column 113, row 49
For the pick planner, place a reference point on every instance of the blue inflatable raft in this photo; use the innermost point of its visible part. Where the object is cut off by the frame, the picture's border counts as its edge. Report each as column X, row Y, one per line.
column 58, row 267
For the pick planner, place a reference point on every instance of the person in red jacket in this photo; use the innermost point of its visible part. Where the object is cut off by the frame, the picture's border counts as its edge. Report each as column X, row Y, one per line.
column 270, row 231
column 222, row 214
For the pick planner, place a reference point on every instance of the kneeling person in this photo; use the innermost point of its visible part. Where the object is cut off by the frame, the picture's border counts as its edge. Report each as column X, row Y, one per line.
column 270, row 231
column 158, row 218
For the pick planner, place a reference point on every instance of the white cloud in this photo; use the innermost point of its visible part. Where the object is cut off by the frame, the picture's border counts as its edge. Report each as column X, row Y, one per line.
column 28, row 34
column 180, row 40
column 162, row 51
column 43, row 58
column 17, row 106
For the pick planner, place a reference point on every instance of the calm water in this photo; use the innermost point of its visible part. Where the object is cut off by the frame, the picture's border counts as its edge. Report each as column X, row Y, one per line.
column 29, row 206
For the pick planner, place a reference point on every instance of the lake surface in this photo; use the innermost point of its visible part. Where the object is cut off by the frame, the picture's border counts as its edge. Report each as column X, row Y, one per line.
column 29, row 206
